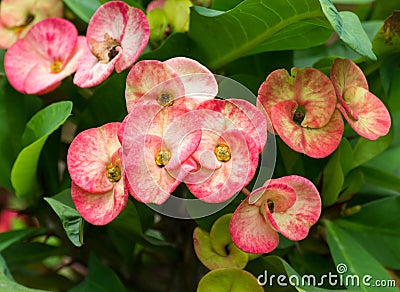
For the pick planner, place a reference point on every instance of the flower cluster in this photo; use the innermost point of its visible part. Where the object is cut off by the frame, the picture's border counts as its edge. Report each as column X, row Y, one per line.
column 52, row 49
column 305, row 107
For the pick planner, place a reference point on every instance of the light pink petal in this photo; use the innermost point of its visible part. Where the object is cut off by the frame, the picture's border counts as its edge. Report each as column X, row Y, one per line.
column 101, row 208
column 89, row 155
column 281, row 194
column 91, row 72
column 199, row 82
column 310, row 88
column 151, row 78
column 233, row 175
column 373, row 117
column 295, row 222
column 155, row 4
column 204, row 154
column 250, row 231
column 134, row 40
column 150, row 182
column 41, row 80
column 345, row 73
column 316, row 143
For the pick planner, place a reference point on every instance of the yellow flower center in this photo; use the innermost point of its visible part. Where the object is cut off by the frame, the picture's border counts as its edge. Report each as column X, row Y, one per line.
column 162, row 157
column 165, row 99
column 113, row 173
column 222, row 152
column 56, row 67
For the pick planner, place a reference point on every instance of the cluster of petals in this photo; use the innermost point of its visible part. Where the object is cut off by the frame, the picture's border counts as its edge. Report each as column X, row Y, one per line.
column 305, row 107
column 288, row 205
column 94, row 163
column 18, row 16
column 177, row 132
column 116, row 35
column 364, row 112
column 50, row 51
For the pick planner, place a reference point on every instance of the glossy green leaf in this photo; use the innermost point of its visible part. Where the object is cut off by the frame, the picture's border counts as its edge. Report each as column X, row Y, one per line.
column 367, row 230
column 83, row 9
column 233, row 280
column 15, row 111
column 351, row 258
column 256, row 26
column 352, row 1
column 381, row 178
column 349, row 29
column 366, row 149
column 224, row 5
column 7, row 282
column 37, row 130
column 99, row 278
column 11, row 237
column 352, row 183
column 71, row 220
column 333, row 180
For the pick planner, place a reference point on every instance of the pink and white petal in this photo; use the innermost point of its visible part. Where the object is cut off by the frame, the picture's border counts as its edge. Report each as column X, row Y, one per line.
column 150, row 78
column 54, row 38
column 19, row 60
column 204, row 153
column 200, row 84
column 373, row 117
column 233, row 175
column 149, row 182
column 281, row 194
column 110, row 18
column 91, row 72
column 316, row 143
column 89, row 155
column 345, row 73
column 295, row 222
column 102, row 208
column 135, row 38
column 250, row 231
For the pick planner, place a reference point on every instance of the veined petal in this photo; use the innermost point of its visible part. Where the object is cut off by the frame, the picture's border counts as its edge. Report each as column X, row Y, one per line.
column 101, row 208
column 373, row 117
column 295, row 222
column 89, row 155
column 308, row 87
column 151, row 78
column 250, row 231
column 316, row 143
column 281, row 195
column 345, row 73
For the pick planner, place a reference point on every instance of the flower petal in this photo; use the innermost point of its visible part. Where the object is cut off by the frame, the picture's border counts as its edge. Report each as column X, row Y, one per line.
column 345, row 73
column 89, row 155
column 316, row 143
column 295, row 222
column 102, row 208
column 250, row 231
column 373, row 117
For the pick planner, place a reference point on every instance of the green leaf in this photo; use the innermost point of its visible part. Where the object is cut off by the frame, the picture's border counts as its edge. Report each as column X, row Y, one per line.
column 71, row 220
column 15, row 110
column 233, row 280
column 377, row 222
column 381, row 178
column 99, row 278
column 37, row 130
column 387, row 40
column 7, row 282
column 354, row 259
column 352, row 1
column 11, row 237
column 366, row 149
column 83, row 9
column 349, row 29
column 256, row 26
column 224, row 5
column 352, row 183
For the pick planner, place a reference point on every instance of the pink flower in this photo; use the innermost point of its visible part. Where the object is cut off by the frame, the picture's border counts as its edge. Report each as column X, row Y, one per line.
column 156, row 148
column 289, row 205
column 94, row 163
column 50, row 52
column 175, row 81
column 302, row 110
column 116, row 35
column 18, row 16
column 6, row 218
column 365, row 112
column 227, row 155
